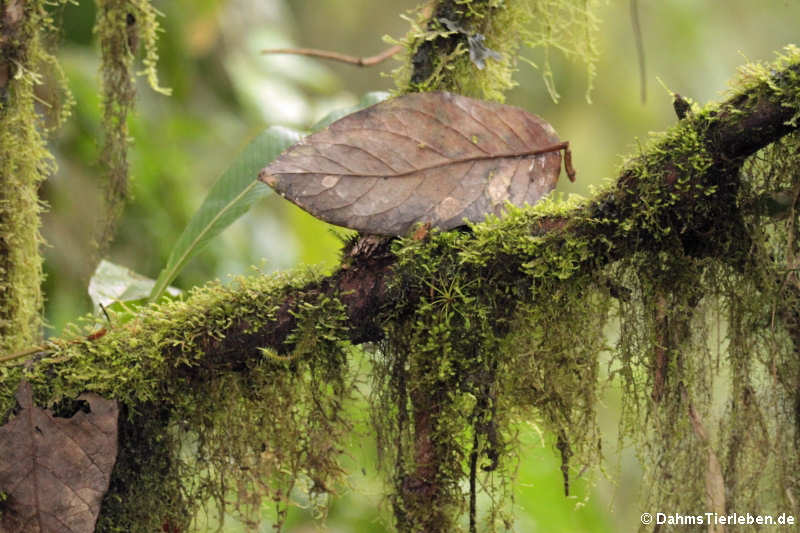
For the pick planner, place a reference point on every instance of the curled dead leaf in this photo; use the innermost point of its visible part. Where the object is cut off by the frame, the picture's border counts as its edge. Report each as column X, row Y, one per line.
column 435, row 158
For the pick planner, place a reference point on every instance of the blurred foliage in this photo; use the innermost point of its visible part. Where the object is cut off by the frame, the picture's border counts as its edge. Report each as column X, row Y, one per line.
column 225, row 93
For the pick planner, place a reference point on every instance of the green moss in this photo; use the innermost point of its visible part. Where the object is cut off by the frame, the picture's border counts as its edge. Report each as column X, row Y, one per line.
column 490, row 342
column 753, row 75
column 121, row 26
column 24, row 164
column 707, row 320
column 570, row 27
column 196, row 430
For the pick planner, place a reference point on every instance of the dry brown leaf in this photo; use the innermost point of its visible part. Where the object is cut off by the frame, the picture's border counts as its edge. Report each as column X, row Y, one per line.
column 434, row 158
column 55, row 471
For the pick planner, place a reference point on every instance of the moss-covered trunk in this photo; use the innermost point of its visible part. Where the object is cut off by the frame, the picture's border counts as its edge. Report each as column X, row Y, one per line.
column 24, row 163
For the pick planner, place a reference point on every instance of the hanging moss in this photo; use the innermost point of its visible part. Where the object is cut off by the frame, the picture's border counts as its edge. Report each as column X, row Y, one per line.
column 708, row 353
column 571, row 28
column 482, row 351
column 121, row 26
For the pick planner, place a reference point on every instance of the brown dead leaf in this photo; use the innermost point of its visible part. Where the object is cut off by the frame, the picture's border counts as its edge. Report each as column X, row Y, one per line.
column 55, row 471
column 435, row 158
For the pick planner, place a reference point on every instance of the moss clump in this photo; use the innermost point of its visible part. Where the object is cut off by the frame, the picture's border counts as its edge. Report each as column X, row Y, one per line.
column 445, row 51
column 487, row 344
column 755, row 75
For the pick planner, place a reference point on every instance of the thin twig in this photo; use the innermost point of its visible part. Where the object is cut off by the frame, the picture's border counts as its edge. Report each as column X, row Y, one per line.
column 427, row 11
column 336, row 56
column 23, row 353
column 44, row 347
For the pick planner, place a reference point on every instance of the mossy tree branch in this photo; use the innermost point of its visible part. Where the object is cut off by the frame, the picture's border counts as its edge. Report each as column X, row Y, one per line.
column 677, row 196
column 728, row 134
column 604, row 229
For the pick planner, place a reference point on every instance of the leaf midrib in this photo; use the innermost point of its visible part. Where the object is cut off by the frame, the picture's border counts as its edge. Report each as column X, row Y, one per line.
column 509, row 155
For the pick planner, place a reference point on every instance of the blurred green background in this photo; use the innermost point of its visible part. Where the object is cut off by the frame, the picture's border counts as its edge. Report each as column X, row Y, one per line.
column 225, row 92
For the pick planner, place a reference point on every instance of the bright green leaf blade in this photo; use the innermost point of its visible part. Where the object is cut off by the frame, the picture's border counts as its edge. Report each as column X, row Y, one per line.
column 367, row 100
column 230, row 198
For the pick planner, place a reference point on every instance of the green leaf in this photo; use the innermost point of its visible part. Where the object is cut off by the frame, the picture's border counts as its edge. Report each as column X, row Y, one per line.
column 230, row 198
column 112, row 283
column 367, row 100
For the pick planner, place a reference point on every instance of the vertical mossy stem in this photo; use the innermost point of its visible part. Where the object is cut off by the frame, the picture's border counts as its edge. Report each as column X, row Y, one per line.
column 121, row 26
column 24, row 163
column 424, row 499
column 118, row 35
